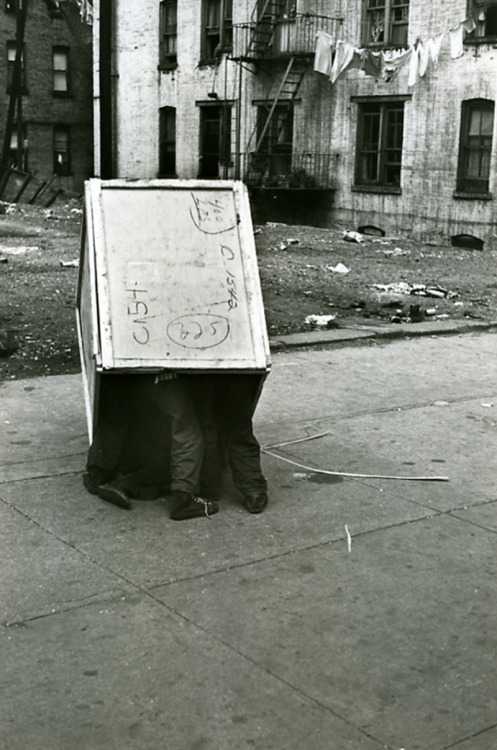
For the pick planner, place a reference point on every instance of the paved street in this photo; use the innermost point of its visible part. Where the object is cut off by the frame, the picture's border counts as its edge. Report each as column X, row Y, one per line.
column 354, row 614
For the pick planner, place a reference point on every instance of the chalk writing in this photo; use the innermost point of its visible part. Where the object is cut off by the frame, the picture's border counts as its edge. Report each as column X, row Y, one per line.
column 228, row 256
column 137, row 310
column 200, row 331
column 211, row 215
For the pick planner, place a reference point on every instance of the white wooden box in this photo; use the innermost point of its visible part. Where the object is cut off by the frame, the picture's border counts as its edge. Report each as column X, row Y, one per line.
column 168, row 280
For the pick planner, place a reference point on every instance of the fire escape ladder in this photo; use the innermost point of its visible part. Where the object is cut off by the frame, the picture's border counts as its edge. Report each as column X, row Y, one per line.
column 265, row 16
column 287, row 92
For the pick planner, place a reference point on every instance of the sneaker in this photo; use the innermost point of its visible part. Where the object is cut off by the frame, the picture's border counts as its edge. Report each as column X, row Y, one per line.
column 113, row 493
column 255, row 502
column 185, row 505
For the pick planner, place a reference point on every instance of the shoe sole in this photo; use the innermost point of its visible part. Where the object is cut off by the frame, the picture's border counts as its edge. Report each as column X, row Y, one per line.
column 114, row 497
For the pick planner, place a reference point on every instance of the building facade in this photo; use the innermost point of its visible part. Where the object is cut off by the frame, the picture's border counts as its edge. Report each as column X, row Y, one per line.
column 53, row 116
column 356, row 112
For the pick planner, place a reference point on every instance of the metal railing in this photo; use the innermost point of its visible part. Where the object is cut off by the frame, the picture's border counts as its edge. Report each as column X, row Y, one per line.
column 305, row 170
column 295, row 35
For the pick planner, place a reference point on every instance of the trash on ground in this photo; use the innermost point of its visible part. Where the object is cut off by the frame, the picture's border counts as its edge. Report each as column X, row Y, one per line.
column 431, row 311
column 419, row 290
column 339, row 268
column 488, row 404
column 320, row 321
column 396, row 251
column 352, row 236
column 292, row 241
column 71, row 263
column 19, row 249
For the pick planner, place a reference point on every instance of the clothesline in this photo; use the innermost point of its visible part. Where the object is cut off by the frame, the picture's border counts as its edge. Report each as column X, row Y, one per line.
column 332, row 59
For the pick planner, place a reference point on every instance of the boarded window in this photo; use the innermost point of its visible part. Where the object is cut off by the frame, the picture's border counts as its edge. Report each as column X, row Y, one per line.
column 475, row 145
column 379, row 143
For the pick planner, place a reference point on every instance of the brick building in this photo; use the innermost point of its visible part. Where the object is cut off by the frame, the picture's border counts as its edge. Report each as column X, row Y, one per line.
column 56, row 83
column 395, row 129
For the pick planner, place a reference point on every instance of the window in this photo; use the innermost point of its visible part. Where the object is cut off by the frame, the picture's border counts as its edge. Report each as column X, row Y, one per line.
column 379, row 144
column 11, row 57
column 168, row 33
column 385, row 22
column 475, row 145
column 61, row 150
column 215, row 139
column 10, row 6
column 167, row 142
column 16, row 160
column 217, row 28
column 274, row 139
column 60, row 58
column 485, row 14
column 53, row 7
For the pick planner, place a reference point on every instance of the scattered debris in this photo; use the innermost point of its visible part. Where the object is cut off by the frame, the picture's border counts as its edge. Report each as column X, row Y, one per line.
column 396, row 251
column 352, row 236
column 292, row 241
column 371, row 229
column 419, row 290
column 320, row 321
column 349, row 538
column 339, row 268
column 19, row 249
column 488, row 405
column 70, row 263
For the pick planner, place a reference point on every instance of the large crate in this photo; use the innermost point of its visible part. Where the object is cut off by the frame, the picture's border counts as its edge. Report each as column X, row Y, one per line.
column 168, row 280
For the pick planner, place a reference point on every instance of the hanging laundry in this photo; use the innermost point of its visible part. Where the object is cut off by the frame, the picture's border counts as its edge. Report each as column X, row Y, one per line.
column 457, row 36
column 434, row 46
column 344, row 55
column 413, row 66
column 371, row 63
column 324, row 53
column 424, row 56
column 393, row 61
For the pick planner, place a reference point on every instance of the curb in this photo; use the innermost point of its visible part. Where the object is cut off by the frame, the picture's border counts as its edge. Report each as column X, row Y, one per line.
column 341, row 336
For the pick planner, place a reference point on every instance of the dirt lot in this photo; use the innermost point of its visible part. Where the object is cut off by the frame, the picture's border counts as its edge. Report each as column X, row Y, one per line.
column 300, row 274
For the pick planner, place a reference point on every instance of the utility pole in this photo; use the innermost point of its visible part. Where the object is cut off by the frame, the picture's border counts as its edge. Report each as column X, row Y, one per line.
column 15, row 100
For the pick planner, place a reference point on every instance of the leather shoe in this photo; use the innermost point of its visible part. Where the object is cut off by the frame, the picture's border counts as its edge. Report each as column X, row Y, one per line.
column 255, row 502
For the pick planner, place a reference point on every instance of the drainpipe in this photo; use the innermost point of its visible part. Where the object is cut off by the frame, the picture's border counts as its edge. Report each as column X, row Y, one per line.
column 106, row 110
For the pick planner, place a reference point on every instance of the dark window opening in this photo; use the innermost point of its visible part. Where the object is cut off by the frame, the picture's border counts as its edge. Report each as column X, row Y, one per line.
column 167, row 142
column 484, row 13
column 215, row 139
column 18, row 160
column 62, row 150
column 385, row 23
column 379, row 144
column 168, row 33
column 11, row 57
column 475, row 145
column 217, row 28
column 275, row 140
column 10, row 6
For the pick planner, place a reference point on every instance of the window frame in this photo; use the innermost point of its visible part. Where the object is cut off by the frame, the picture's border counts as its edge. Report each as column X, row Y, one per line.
column 216, row 39
column 480, row 36
column 390, row 40
column 11, row 45
column 386, row 106
column 168, row 35
column 61, row 50
column 224, row 162
column 166, row 140
column 62, row 168
column 467, row 186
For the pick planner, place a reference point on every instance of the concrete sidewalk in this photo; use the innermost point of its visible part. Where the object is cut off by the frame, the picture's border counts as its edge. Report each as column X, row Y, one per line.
column 354, row 614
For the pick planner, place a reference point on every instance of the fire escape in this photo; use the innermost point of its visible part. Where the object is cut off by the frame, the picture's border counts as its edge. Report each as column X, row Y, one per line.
column 277, row 47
